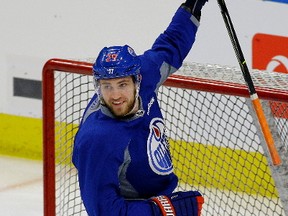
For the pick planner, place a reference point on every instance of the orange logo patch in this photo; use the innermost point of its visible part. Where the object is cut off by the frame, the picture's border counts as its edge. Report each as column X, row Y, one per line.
column 269, row 52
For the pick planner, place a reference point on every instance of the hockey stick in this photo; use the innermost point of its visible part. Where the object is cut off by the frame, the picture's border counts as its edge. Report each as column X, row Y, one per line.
column 253, row 94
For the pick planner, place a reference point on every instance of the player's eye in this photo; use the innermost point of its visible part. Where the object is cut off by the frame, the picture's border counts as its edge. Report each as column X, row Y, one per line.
column 123, row 85
column 106, row 87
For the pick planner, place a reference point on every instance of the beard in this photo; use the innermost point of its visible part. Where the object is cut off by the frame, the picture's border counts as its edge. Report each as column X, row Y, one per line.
column 122, row 111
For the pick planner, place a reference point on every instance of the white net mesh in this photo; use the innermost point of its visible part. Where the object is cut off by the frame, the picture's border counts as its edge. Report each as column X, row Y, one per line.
column 215, row 143
column 276, row 81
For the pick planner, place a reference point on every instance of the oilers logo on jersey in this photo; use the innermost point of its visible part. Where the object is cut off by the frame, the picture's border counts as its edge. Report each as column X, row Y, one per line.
column 157, row 148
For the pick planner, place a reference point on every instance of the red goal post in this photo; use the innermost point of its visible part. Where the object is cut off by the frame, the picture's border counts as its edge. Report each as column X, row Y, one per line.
column 202, row 136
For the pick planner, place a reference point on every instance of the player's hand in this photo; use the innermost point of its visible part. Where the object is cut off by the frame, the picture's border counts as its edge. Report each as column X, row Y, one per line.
column 195, row 6
column 179, row 204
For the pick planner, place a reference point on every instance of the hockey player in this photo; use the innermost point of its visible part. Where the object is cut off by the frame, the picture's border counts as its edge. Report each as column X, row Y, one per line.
column 120, row 150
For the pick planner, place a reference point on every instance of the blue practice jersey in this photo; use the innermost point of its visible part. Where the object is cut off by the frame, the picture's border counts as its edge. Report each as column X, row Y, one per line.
column 121, row 163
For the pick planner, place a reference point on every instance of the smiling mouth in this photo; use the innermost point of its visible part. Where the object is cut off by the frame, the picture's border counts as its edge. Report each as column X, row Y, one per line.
column 117, row 102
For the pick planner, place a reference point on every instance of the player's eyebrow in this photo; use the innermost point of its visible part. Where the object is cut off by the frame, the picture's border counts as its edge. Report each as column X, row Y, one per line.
column 123, row 80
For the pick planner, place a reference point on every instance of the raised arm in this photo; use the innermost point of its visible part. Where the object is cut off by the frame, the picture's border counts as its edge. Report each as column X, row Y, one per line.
column 173, row 45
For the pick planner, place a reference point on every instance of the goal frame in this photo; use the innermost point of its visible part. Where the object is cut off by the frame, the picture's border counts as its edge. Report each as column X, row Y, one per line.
column 85, row 68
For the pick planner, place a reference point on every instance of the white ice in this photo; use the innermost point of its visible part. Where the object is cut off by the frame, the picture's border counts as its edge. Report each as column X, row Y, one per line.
column 21, row 187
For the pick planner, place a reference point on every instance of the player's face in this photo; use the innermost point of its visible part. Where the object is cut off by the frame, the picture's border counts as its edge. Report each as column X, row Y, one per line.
column 118, row 95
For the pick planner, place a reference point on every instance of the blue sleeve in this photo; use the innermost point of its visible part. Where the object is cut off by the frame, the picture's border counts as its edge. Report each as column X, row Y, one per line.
column 174, row 44
column 98, row 166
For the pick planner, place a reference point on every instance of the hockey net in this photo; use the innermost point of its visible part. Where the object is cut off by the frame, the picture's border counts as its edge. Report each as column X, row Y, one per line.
column 216, row 144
